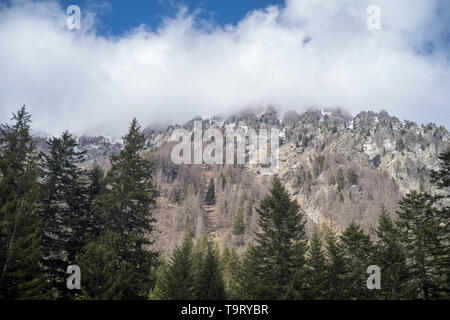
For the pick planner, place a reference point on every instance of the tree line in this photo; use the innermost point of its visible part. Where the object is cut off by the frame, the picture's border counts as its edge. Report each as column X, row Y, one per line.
column 54, row 213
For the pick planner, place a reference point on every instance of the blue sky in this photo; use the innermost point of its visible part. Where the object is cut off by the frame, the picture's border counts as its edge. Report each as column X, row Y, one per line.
column 218, row 57
column 119, row 16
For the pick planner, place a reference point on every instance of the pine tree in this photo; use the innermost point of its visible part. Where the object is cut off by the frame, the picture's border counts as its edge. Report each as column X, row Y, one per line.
column 104, row 276
column 20, row 226
column 92, row 218
column 336, row 267
column 359, row 254
column 239, row 226
column 176, row 281
column 63, row 209
column 125, row 206
column 315, row 273
column 424, row 239
column 210, row 198
column 391, row 258
column 248, row 278
column 209, row 284
column 441, row 179
column 231, row 266
column 280, row 244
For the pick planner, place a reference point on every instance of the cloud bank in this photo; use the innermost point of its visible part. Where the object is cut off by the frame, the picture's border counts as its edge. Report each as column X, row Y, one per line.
column 316, row 53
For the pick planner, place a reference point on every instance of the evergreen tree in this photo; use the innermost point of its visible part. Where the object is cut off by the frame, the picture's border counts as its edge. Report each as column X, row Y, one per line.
column 93, row 219
column 125, row 206
column 104, row 275
column 315, row 273
column 176, row 281
column 391, row 258
column 359, row 254
column 239, row 226
column 209, row 283
column 280, row 244
column 210, row 198
column 336, row 267
column 231, row 266
column 441, row 179
column 20, row 225
column 424, row 239
column 248, row 283
column 63, row 209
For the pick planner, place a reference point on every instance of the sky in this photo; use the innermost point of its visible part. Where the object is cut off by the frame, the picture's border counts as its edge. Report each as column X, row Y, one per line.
column 167, row 61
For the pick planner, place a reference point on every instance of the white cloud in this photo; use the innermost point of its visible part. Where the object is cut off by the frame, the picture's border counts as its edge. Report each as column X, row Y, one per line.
column 85, row 82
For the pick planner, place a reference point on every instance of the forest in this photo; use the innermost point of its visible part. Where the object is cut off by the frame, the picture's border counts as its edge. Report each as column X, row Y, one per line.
column 54, row 213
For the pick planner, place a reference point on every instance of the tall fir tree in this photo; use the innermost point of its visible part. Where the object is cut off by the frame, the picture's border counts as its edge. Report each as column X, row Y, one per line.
column 441, row 179
column 315, row 271
column 21, row 276
column 336, row 267
column 209, row 284
column 359, row 252
column 231, row 266
column 279, row 245
column 390, row 258
column 125, row 207
column 424, row 239
column 177, row 280
column 210, row 198
column 248, row 277
column 63, row 209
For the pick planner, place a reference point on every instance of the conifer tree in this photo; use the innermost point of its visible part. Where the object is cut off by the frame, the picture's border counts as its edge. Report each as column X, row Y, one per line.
column 336, row 265
column 359, row 254
column 20, row 225
column 441, row 179
column 104, row 275
column 280, row 245
column 125, row 206
column 176, row 281
column 209, row 284
column 315, row 273
column 239, row 226
column 424, row 238
column 231, row 266
column 210, row 198
column 248, row 278
column 390, row 258
column 63, row 210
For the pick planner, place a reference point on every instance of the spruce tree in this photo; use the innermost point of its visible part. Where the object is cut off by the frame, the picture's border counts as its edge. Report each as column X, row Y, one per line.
column 210, row 198
column 209, row 284
column 441, row 179
column 231, row 266
column 248, row 278
column 21, row 276
column 280, row 243
column 424, row 238
column 315, row 273
column 176, row 281
column 63, row 209
column 390, row 258
column 104, row 276
column 239, row 226
column 336, row 267
column 359, row 254
column 125, row 206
